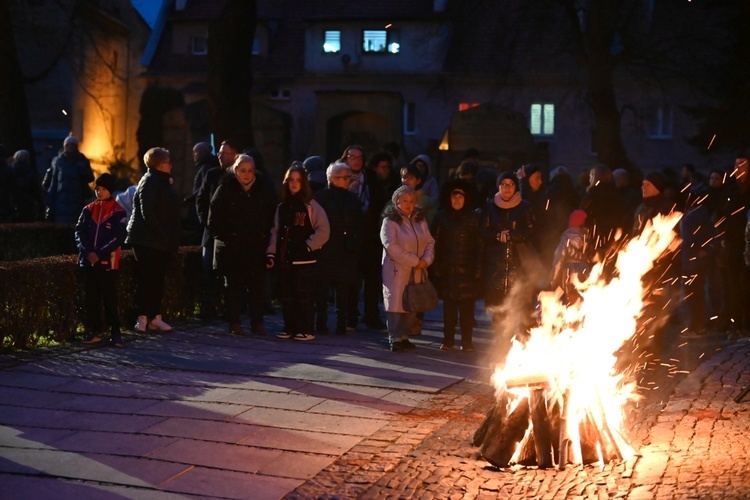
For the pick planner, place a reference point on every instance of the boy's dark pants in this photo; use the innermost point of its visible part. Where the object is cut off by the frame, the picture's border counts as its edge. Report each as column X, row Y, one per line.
column 101, row 287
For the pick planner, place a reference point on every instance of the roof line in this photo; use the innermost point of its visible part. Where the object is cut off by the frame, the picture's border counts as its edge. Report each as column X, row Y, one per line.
column 156, row 33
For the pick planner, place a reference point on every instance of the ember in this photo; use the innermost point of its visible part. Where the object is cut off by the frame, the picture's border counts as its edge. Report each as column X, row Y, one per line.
column 560, row 398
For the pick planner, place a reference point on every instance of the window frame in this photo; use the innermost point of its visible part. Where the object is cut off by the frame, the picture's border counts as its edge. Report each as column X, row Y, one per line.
column 198, row 52
column 325, row 32
column 391, row 36
column 660, row 125
column 543, row 121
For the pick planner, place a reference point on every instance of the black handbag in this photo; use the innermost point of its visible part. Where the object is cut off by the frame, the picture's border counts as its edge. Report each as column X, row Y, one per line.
column 419, row 297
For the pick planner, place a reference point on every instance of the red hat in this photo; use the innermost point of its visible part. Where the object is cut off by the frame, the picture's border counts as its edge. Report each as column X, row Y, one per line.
column 577, row 218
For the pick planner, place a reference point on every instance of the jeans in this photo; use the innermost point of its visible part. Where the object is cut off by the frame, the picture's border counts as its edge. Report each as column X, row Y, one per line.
column 399, row 324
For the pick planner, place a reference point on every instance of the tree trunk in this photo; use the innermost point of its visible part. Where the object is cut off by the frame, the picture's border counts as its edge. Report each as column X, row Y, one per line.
column 230, row 44
column 599, row 37
column 15, row 125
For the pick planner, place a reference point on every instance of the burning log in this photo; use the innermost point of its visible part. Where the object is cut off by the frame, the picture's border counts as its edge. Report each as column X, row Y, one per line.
column 527, row 450
column 541, row 428
column 564, row 449
column 499, row 446
column 494, row 416
column 589, row 440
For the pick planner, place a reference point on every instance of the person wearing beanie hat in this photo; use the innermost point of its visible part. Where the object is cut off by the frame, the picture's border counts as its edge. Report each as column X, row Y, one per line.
column 100, row 233
column 456, row 271
column 66, row 184
column 507, row 224
column 657, row 181
column 577, row 218
column 407, row 246
column 71, row 142
column 654, row 202
column 106, row 181
column 572, row 256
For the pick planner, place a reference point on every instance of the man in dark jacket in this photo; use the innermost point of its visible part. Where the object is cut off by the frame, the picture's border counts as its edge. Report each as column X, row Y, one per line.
column 204, row 160
column 66, row 183
column 208, row 184
column 154, row 234
column 337, row 262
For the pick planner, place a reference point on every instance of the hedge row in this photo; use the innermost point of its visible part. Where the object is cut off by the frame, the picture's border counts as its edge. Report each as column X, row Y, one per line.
column 42, row 299
column 36, row 239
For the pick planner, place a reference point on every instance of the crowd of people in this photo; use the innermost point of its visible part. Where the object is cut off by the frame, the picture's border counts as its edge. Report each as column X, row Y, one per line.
column 368, row 226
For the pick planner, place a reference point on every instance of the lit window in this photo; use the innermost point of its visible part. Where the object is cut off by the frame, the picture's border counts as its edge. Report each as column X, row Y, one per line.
column 542, row 119
column 410, row 118
column 199, row 44
column 463, row 106
column 660, row 123
column 332, row 42
column 384, row 41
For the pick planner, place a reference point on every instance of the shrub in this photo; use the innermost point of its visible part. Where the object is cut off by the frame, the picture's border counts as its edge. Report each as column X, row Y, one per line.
column 42, row 299
column 36, row 239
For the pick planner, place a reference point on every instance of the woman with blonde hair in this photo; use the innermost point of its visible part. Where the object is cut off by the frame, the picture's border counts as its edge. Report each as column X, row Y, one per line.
column 240, row 219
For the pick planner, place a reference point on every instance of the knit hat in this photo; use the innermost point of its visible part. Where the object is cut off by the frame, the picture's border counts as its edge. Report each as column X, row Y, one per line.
column 507, row 175
column 314, row 163
column 106, row 181
column 658, row 181
column 577, row 218
column 401, row 190
column 70, row 140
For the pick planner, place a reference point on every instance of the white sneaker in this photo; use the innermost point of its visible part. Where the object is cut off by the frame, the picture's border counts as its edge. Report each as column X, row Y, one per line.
column 158, row 324
column 140, row 325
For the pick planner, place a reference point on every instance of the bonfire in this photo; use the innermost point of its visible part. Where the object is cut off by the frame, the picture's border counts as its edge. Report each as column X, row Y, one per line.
column 560, row 398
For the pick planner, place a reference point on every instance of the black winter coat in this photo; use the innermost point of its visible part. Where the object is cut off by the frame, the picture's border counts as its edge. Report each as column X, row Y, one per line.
column 66, row 184
column 240, row 222
column 155, row 221
column 501, row 265
column 456, row 269
column 339, row 255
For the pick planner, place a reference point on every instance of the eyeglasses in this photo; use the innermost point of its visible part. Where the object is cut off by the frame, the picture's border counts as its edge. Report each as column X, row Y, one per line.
column 356, row 157
column 345, row 177
column 507, row 185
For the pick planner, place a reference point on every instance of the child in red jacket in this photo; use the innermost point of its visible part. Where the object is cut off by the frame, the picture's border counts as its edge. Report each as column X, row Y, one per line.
column 100, row 232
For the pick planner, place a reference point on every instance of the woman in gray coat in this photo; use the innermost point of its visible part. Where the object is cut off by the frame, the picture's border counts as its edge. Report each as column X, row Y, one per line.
column 407, row 245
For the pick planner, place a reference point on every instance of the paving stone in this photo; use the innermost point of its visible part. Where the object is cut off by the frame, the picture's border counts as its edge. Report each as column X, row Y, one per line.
column 229, row 484
column 301, row 440
column 272, row 417
column 218, row 455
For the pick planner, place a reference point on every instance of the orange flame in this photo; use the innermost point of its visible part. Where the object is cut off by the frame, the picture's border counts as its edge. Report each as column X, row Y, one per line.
column 573, row 350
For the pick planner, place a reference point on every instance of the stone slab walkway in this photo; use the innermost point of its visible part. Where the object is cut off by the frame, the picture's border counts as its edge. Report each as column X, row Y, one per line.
column 198, row 413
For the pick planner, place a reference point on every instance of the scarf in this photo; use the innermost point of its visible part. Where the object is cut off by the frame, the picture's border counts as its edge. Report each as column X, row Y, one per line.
column 513, row 202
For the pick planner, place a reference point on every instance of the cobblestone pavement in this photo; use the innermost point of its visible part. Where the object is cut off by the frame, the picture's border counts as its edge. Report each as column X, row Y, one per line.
column 693, row 445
